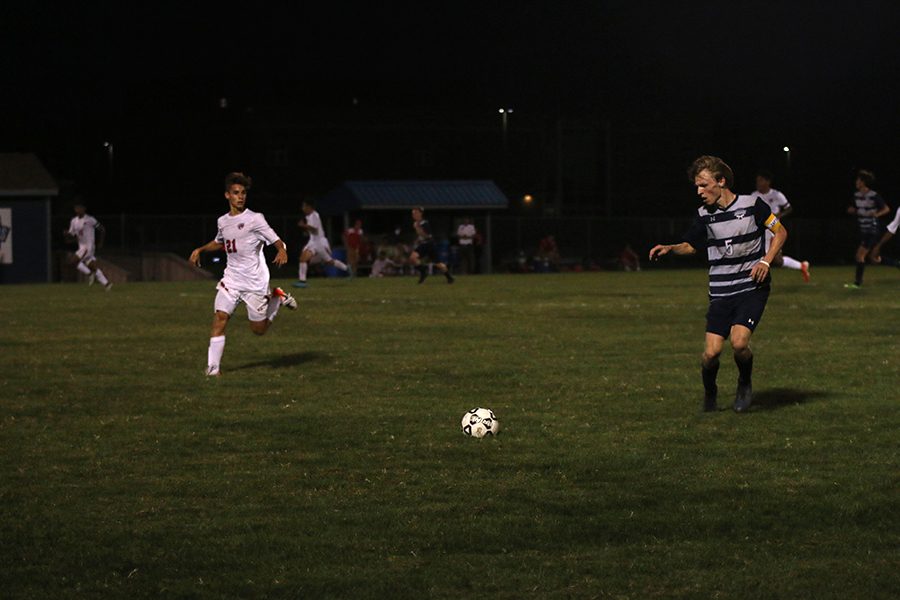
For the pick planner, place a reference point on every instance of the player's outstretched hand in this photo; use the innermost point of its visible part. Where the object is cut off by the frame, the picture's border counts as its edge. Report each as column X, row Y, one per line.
column 758, row 272
column 195, row 257
column 659, row 250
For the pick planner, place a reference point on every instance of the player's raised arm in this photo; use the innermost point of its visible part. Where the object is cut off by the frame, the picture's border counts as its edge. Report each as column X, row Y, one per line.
column 662, row 249
column 212, row 246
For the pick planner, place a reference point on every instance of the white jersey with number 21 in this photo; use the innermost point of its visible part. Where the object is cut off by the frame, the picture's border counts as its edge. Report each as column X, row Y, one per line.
column 244, row 237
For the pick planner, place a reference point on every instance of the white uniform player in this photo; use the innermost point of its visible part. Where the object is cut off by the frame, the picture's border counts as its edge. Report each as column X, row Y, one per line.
column 780, row 207
column 246, row 277
column 83, row 228
column 243, row 234
column 317, row 249
column 893, row 226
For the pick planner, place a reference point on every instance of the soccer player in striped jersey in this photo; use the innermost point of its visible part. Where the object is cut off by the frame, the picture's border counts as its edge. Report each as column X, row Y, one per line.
column 731, row 229
column 868, row 207
column 243, row 234
column 781, row 208
column 425, row 249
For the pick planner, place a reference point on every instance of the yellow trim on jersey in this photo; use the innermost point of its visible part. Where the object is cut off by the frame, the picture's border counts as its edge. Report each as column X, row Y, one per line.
column 773, row 224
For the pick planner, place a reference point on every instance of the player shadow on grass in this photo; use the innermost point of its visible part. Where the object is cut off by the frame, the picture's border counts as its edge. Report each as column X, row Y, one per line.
column 780, row 397
column 284, row 361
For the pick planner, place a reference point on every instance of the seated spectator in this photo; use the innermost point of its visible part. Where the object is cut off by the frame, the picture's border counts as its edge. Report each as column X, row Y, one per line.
column 629, row 259
column 383, row 266
column 548, row 254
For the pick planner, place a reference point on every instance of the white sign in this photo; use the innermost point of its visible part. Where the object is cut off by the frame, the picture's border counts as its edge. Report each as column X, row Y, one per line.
column 6, row 239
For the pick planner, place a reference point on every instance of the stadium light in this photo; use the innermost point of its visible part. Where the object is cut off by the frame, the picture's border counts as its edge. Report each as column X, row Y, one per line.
column 787, row 148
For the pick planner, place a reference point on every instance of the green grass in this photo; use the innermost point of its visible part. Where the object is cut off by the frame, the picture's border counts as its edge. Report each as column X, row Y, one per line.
column 327, row 461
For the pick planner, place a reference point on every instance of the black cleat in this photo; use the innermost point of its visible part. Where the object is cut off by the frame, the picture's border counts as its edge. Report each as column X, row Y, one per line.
column 450, row 278
column 743, row 398
column 709, row 403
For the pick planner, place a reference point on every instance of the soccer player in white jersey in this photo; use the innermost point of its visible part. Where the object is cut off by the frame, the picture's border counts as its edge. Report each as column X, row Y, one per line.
column 317, row 249
column 893, row 226
column 729, row 227
column 781, row 208
column 243, row 234
column 85, row 229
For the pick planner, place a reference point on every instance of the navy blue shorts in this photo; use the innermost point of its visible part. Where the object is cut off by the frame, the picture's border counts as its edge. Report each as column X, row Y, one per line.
column 868, row 239
column 742, row 309
column 426, row 250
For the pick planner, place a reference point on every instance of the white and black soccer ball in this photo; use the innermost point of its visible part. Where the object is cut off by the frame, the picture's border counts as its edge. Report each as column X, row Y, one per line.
column 480, row 422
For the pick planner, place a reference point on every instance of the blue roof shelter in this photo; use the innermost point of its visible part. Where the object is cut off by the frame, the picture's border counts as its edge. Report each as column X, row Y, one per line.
column 477, row 195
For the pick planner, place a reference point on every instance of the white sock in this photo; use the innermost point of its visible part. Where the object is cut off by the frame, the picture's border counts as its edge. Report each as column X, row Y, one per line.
column 303, row 267
column 83, row 268
column 101, row 277
column 216, row 348
column 272, row 308
column 339, row 265
column 789, row 263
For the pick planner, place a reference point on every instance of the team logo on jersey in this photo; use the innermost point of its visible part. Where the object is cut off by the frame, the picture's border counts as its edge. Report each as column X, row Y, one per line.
column 240, row 225
column 740, row 214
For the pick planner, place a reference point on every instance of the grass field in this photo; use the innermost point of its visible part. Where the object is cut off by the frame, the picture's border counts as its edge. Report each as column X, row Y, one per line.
column 327, row 461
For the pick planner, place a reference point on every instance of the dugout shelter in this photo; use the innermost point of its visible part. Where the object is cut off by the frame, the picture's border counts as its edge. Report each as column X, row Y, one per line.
column 26, row 192
column 462, row 196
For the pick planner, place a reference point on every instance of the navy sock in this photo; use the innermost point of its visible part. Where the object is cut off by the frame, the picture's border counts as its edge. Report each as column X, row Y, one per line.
column 860, row 267
column 709, row 373
column 745, row 369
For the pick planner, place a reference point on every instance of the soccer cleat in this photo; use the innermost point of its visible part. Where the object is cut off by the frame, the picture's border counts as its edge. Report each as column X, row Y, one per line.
column 422, row 276
column 92, row 278
column 299, row 284
column 108, row 286
column 852, row 286
column 804, row 270
column 286, row 299
column 709, row 403
column 212, row 371
column 743, row 398
column 450, row 278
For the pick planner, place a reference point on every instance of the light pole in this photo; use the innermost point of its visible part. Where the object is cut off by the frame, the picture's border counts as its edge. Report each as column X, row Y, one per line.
column 109, row 163
column 787, row 157
column 504, row 124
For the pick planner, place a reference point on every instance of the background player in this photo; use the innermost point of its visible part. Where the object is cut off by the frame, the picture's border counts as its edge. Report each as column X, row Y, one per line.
column 425, row 247
column 780, row 207
column 875, row 253
column 84, row 229
column 243, row 234
column 317, row 249
column 868, row 206
column 728, row 226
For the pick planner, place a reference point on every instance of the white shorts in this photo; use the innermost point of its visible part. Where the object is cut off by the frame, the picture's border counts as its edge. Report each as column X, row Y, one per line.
column 321, row 251
column 228, row 300
column 85, row 254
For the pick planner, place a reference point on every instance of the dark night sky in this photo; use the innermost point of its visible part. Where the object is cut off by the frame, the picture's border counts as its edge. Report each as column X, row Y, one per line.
column 824, row 75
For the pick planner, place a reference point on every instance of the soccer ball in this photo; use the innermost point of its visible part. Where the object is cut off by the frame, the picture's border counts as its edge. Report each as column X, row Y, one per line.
column 480, row 422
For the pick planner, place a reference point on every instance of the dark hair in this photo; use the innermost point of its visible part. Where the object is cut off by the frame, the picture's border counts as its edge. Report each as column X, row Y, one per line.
column 421, row 209
column 310, row 203
column 714, row 165
column 868, row 177
column 239, row 179
column 766, row 174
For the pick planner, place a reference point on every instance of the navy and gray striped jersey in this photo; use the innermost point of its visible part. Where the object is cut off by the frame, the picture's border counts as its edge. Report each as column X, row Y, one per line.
column 734, row 239
column 424, row 236
column 867, row 204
